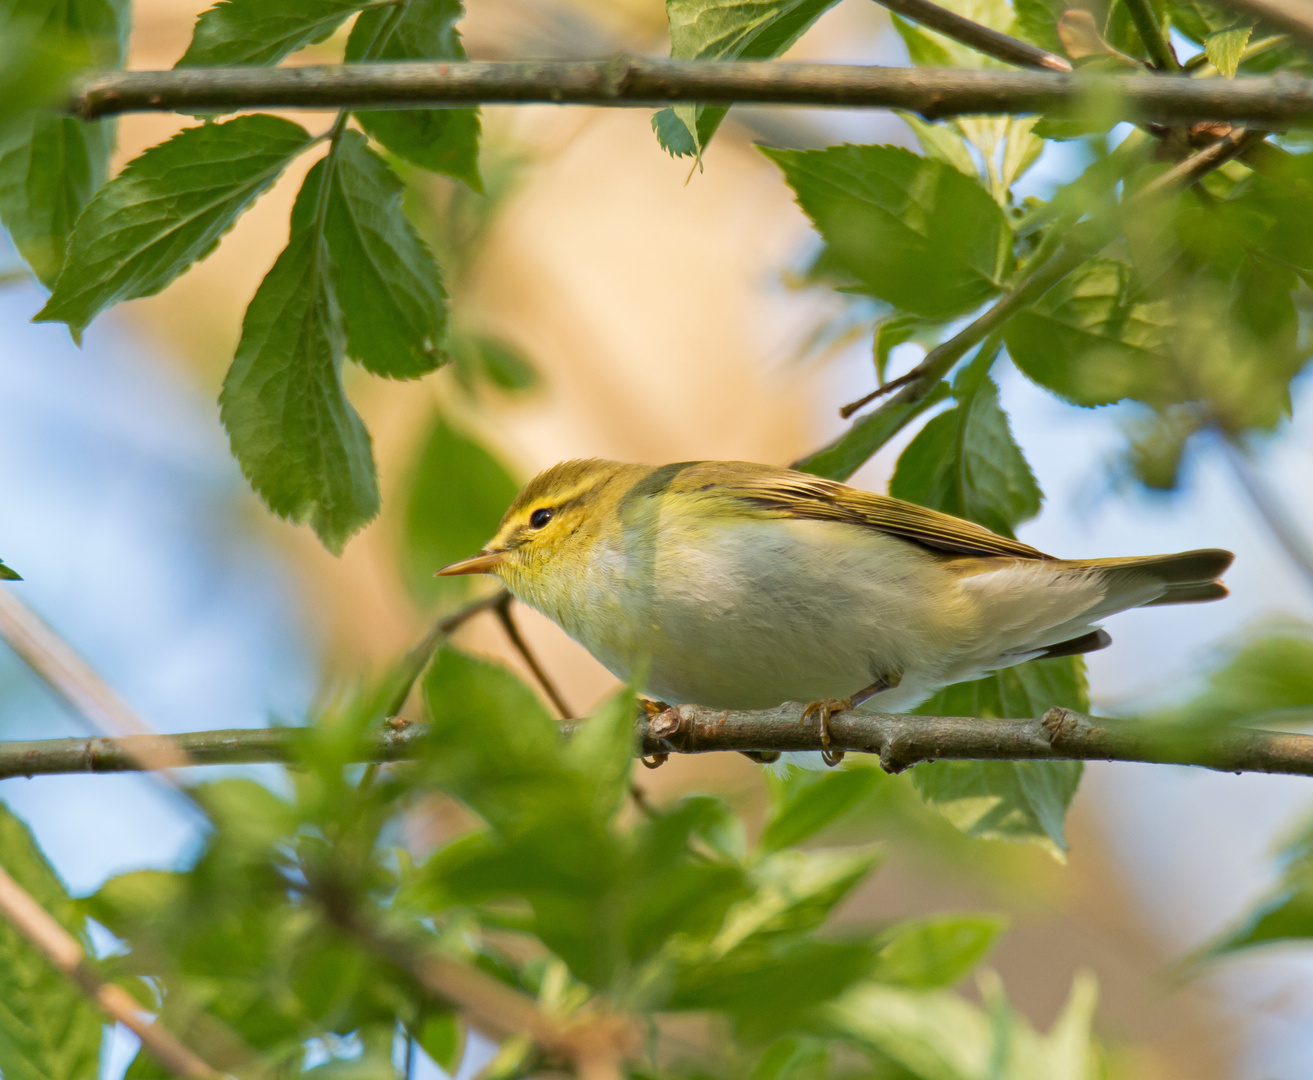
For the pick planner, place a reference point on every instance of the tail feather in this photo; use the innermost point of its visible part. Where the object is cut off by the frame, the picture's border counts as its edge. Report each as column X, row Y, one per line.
column 1188, row 577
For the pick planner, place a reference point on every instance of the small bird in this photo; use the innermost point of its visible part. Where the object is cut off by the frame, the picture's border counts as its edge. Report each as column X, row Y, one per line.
column 742, row 586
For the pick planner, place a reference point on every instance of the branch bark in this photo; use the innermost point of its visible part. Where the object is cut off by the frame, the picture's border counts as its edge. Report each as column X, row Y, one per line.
column 899, row 739
column 1276, row 101
column 64, row 953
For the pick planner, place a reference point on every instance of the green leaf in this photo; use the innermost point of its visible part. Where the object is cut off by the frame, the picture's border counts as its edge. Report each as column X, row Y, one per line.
column 1225, row 47
column 298, row 440
column 49, row 1029
column 442, row 140
column 455, row 500
column 725, row 30
column 965, row 462
column 915, row 232
column 937, row 951
column 388, row 283
column 256, row 32
column 1196, row 19
column 841, row 458
column 1037, row 22
column 1090, row 339
column 442, row 1036
column 809, row 802
column 8, row 573
column 1008, row 800
column 51, row 164
column 504, row 365
column 167, row 209
column 602, row 750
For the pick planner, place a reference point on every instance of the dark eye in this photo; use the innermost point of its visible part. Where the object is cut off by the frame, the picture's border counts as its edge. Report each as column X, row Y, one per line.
column 541, row 517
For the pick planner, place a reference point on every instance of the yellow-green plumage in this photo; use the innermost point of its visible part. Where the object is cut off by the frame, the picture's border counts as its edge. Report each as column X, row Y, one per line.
column 740, row 586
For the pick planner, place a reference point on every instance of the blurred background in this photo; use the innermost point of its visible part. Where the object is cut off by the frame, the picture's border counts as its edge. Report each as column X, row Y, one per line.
column 610, row 303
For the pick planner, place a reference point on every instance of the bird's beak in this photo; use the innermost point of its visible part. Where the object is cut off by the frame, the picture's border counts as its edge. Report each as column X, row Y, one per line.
column 483, row 563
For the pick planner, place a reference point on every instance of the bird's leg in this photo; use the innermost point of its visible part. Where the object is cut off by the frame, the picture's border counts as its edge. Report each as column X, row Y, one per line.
column 824, row 709
column 650, row 709
column 827, row 707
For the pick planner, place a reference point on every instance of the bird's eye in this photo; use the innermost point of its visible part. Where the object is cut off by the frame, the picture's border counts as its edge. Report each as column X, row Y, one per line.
column 541, row 517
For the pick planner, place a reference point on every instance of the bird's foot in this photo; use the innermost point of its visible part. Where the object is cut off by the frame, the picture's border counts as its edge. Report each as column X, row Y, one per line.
column 823, row 710
column 649, row 709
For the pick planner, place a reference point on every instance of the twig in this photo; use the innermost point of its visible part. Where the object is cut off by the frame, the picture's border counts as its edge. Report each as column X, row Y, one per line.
column 66, row 955
column 916, row 384
column 899, row 738
column 412, row 667
column 1271, row 510
column 1151, row 34
column 1296, row 16
column 503, row 609
column 976, row 36
column 1277, row 101
column 593, row 1040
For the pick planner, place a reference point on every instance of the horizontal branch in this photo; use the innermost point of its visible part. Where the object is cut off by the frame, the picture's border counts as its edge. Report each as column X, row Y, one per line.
column 899, row 739
column 1278, row 100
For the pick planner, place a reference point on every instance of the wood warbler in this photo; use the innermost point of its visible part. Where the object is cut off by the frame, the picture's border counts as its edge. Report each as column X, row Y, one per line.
column 741, row 586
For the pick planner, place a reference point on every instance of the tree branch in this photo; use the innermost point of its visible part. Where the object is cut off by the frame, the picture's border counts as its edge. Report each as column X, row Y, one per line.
column 66, row 955
column 1276, row 101
column 1295, row 16
column 900, row 740
column 976, row 36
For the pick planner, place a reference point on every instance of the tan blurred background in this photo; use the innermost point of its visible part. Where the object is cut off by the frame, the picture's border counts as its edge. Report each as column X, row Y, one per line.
column 654, row 307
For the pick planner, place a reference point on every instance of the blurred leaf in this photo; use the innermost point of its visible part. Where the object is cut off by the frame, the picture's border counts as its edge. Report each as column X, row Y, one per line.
column 810, row 801
column 49, row 1029
column 923, row 48
column 602, row 750
column 1286, row 914
column 299, row 442
column 851, row 450
column 965, row 462
column 1008, row 800
column 1196, row 19
column 35, row 64
column 1090, row 339
column 50, row 164
column 442, row 140
column 8, row 573
column 495, row 359
column 1267, row 680
column 388, row 283
column 1225, row 47
column 909, row 1028
column 256, row 32
column 457, row 495
column 937, row 951
column 916, row 233
column 1037, row 22
column 898, row 330
column 725, row 30
column 942, row 141
column 167, row 209
column 442, row 1036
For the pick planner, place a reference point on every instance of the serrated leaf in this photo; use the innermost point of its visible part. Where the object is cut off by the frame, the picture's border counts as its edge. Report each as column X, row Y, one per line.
column 841, row 458
column 257, row 32
column 935, row 952
column 388, row 283
column 51, row 164
column 725, row 30
column 456, row 496
column 441, row 140
column 916, row 233
column 1089, row 339
column 965, row 462
column 49, row 1029
column 1196, row 19
column 1008, row 800
column 1225, row 47
column 299, row 442
column 167, row 209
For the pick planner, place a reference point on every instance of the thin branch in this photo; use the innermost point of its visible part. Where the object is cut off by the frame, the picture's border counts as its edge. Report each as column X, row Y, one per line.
column 1151, row 34
column 1081, row 245
column 507, row 621
column 1271, row 510
column 976, row 36
column 1279, row 100
column 66, row 955
column 1296, row 16
column 899, row 739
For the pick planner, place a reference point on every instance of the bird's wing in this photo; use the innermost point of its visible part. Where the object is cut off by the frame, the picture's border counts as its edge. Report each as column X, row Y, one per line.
column 795, row 494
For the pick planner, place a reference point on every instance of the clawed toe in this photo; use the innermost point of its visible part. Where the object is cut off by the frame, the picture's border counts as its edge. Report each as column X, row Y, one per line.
column 824, row 709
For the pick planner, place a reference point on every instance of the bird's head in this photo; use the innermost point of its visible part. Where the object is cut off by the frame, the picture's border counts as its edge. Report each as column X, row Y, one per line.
column 552, row 524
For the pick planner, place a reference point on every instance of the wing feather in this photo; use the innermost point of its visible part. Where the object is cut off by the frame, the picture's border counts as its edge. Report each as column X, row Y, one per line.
column 795, row 494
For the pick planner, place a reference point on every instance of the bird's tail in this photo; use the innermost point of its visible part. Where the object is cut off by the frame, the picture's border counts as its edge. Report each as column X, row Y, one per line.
column 1189, row 577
